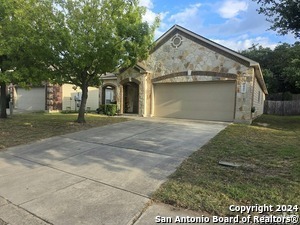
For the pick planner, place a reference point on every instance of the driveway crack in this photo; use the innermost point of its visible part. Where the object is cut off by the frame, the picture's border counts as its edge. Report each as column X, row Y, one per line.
column 147, row 151
column 51, row 192
column 137, row 134
column 25, row 210
column 140, row 213
column 109, row 143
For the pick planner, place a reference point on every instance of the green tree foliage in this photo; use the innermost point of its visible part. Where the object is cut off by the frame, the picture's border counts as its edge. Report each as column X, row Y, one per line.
column 85, row 39
column 284, row 15
column 71, row 41
column 280, row 67
column 19, row 46
column 292, row 75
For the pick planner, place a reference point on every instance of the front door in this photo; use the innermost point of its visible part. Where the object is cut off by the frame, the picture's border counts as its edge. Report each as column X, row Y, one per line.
column 131, row 97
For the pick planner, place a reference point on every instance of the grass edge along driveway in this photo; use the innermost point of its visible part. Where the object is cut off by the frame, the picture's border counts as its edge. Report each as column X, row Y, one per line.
column 25, row 128
column 269, row 154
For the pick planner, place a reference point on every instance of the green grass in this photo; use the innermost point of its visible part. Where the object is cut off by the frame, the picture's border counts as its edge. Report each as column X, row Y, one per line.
column 270, row 171
column 26, row 128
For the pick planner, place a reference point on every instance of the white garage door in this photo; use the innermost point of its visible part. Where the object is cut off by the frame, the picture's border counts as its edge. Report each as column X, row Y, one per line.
column 31, row 100
column 197, row 100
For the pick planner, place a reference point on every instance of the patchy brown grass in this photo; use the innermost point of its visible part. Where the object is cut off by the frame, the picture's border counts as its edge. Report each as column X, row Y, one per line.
column 25, row 128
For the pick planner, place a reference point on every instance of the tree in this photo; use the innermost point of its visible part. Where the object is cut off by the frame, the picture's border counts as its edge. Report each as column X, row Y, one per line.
column 71, row 41
column 284, row 15
column 19, row 46
column 87, row 38
column 280, row 67
column 292, row 72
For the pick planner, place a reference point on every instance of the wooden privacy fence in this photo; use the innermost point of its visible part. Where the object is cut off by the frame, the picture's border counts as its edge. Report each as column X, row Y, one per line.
column 282, row 108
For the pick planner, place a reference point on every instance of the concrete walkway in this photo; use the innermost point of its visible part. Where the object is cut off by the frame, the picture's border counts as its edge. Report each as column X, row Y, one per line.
column 103, row 175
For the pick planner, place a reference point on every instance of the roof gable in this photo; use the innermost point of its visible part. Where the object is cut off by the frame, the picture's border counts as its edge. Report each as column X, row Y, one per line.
column 213, row 46
column 176, row 29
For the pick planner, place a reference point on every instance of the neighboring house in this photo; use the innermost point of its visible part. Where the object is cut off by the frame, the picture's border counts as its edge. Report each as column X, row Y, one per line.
column 188, row 76
column 70, row 94
column 185, row 76
column 53, row 98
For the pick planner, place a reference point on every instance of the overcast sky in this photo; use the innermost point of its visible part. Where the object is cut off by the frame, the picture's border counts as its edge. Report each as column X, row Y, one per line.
column 233, row 23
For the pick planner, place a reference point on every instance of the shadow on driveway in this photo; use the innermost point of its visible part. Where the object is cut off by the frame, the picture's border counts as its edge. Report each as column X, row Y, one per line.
column 99, row 176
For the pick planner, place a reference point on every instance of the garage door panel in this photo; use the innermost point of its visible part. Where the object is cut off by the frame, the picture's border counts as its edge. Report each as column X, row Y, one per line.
column 206, row 100
column 31, row 100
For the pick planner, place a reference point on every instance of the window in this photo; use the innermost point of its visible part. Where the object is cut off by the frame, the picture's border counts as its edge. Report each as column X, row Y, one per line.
column 176, row 41
column 243, row 88
column 258, row 97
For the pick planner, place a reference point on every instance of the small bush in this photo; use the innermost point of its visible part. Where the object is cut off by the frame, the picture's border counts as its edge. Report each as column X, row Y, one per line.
column 101, row 109
column 111, row 109
column 68, row 112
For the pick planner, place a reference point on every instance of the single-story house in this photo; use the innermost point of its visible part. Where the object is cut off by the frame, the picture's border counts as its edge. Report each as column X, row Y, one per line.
column 188, row 76
column 185, row 76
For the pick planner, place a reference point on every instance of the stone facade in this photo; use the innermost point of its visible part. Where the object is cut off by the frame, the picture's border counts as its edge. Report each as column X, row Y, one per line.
column 182, row 56
column 189, row 56
column 133, row 75
column 53, row 97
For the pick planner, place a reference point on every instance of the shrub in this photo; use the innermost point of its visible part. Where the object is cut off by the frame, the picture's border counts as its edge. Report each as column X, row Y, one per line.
column 101, row 109
column 111, row 109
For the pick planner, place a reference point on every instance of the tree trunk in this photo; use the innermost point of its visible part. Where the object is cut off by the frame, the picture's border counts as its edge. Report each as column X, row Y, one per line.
column 3, row 100
column 80, row 118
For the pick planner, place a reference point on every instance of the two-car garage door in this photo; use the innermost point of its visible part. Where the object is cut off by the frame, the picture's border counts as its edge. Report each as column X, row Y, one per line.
column 195, row 100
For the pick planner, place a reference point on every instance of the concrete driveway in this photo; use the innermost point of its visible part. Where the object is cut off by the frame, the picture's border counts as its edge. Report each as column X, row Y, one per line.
column 100, row 176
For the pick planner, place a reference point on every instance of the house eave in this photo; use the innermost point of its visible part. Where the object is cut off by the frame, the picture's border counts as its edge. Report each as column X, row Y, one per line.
column 109, row 78
column 260, row 78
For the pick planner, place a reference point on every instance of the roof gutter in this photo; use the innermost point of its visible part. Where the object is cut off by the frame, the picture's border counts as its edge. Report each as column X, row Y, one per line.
column 259, row 76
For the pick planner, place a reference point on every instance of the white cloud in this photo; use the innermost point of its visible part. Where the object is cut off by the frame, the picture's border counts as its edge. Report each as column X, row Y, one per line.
column 150, row 15
column 231, row 8
column 186, row 15
column 146, row 3
column 250, row 22
column 238, row 31
column 244, row 42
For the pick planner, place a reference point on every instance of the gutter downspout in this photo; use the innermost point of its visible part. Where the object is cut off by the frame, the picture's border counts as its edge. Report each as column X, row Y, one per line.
column 252, row 101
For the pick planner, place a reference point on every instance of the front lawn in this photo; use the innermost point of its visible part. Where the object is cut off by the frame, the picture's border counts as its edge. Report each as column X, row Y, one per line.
column 269, row 154
column 25, row 128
